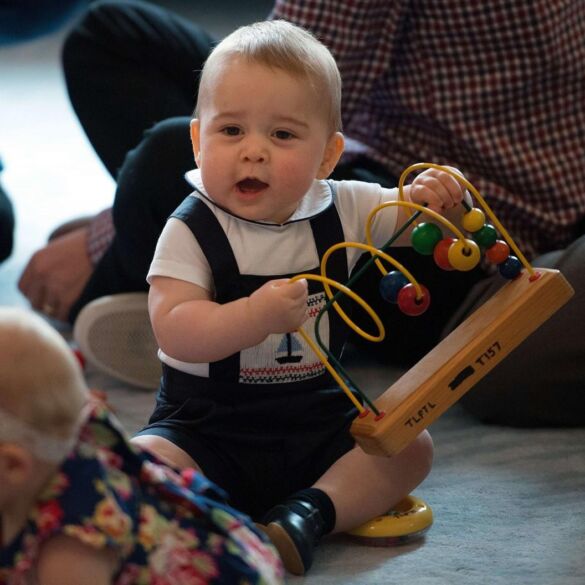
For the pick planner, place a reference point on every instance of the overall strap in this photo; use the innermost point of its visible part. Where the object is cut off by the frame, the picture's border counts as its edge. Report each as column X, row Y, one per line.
column 222, row 262
column 328, row 231
column 210, row 236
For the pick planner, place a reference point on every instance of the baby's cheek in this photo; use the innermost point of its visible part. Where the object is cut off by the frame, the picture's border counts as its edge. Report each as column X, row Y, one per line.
column 298, row 175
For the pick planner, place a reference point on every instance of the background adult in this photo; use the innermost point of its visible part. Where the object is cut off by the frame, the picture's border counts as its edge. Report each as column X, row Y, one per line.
column 497, row 90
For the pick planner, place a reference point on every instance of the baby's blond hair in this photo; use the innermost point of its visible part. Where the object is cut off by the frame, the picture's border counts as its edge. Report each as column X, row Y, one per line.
column 281, row 45
column 41, row 382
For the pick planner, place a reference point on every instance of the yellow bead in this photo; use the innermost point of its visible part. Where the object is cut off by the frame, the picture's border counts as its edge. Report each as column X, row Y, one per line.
column 473, row 220
column 464, row 255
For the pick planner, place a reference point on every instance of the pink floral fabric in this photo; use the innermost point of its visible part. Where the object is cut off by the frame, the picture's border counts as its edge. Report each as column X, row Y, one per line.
column 167, row 528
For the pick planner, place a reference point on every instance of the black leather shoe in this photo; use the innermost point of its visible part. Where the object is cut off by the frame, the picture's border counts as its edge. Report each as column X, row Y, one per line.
column 295, row 529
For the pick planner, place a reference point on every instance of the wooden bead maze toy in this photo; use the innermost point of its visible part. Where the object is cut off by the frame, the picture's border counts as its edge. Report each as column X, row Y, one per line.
column 387, row 425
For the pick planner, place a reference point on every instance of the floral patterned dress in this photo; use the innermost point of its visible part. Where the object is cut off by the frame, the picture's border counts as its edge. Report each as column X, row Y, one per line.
column 167, row 528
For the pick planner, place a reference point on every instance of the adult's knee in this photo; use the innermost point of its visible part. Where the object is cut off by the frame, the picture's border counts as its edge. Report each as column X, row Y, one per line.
column 169, row 136
column 152, row 175
column 84, row 32
column 106, row 29
column 163, row 155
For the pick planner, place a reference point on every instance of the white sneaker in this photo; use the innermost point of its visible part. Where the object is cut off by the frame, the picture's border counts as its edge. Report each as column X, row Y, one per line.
column 115, row 336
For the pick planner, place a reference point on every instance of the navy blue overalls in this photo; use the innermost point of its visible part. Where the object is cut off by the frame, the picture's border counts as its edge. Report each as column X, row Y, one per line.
column 260, row 433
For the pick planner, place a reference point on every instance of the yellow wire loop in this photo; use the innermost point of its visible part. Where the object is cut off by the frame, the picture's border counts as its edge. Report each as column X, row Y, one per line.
column 379, row 254
column 327, row 283
column 410, row 205
column 463, row 181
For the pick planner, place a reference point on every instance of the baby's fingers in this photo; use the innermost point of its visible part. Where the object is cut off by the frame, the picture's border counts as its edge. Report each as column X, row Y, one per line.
column 438, row 190
column 298, row 288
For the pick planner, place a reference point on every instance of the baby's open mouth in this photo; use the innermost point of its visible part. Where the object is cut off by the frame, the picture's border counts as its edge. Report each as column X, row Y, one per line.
column 251, row 185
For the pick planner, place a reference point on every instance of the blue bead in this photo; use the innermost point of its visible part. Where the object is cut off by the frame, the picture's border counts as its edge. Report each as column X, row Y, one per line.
column 391, row 284
column 510, row 268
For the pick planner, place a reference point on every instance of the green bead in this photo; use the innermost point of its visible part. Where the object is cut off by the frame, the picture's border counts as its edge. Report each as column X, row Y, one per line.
column 486, row 237
column 425, row 236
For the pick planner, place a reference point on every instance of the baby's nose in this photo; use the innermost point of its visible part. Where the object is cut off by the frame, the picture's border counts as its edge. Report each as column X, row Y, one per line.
column 254, row 150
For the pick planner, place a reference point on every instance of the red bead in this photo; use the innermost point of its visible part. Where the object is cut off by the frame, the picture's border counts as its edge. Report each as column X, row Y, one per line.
column 441, row 254
column 497, row 253
column 409, row 304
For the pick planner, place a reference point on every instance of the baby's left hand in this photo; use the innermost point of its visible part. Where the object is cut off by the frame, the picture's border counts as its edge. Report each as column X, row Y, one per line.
column 436, row 188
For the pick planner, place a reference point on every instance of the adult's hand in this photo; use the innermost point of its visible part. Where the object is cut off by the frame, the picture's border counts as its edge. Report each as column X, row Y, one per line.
column 56, row 274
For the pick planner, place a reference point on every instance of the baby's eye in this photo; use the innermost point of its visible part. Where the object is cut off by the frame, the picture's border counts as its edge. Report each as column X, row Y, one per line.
column 283, row 134
column 231, row 130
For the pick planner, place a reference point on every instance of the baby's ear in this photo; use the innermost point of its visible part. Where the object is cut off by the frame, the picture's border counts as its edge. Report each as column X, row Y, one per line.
column 195, row 140
column 16, row 464
column 333, row 152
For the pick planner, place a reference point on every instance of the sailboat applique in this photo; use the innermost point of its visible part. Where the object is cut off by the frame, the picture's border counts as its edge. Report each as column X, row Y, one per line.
column 285, row 351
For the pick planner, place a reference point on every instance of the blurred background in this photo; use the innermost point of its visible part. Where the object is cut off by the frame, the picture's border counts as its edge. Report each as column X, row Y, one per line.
column 51, row 173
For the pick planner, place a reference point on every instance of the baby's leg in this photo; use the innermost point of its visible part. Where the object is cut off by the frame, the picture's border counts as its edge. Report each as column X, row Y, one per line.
column 355, row 489
column 363, row 486
column 165, row 450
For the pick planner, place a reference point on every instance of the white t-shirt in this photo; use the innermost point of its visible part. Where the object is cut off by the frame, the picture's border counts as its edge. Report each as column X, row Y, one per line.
column 270, row 249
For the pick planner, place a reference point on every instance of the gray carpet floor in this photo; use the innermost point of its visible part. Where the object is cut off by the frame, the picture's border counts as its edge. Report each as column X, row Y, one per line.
column 509, row 504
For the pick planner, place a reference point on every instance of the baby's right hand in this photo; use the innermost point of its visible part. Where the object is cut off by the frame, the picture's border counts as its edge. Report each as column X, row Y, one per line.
column 280, row 306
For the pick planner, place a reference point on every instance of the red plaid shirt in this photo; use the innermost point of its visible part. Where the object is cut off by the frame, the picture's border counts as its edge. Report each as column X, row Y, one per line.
column 495, row 88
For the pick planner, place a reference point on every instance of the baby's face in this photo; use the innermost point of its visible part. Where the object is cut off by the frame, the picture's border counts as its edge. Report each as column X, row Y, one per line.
column 261, row 139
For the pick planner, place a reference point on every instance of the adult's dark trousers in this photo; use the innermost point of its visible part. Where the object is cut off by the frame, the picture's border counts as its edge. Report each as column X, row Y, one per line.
column 132, row 71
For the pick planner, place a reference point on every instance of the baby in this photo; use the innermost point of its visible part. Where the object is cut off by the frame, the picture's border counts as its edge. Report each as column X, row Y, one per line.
column 79, row 504
column 242, row 396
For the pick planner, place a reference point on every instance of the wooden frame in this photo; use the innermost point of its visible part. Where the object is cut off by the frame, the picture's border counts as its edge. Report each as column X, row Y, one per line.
column 446, row 373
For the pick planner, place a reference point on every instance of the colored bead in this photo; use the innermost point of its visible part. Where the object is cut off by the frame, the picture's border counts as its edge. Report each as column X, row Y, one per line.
column 510, row 268
column 464, row 255
column 440, row 253
column 391, row 284
column 424, row 238
column 409, row 304
column 486, row 236
column 497, row 253
column 473, row 220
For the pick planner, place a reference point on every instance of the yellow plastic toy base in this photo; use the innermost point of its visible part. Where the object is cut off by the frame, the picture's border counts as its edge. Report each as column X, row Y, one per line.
column 407, row 521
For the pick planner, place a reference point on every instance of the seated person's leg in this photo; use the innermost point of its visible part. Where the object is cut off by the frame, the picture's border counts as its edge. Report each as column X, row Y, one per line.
column 165, row 450
column 128, row 65
column 542, row 381
column 150, row 186
column 377, row 484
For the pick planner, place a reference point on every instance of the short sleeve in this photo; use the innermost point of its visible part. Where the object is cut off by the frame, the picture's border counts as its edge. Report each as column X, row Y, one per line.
column 178, row 255
column 355, row 201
